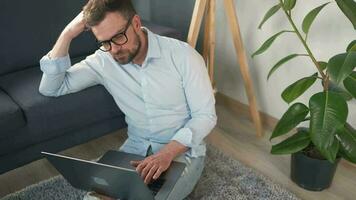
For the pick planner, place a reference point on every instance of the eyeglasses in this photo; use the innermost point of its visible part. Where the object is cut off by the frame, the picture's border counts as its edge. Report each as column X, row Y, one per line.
column 118, row 39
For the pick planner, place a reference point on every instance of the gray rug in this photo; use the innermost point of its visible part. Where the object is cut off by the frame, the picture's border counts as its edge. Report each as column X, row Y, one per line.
column 222, row 178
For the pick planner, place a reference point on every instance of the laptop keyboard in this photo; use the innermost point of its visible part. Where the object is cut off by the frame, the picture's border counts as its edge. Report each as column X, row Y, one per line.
column 156, row 185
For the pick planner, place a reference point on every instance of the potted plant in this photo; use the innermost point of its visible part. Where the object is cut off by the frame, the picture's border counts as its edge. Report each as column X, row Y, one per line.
column 316, row 149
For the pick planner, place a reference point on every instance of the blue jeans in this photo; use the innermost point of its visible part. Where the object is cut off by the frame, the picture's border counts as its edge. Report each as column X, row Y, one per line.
column 190, row 177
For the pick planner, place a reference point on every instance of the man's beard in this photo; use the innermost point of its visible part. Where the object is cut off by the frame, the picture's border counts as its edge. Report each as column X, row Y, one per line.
column 129, row 55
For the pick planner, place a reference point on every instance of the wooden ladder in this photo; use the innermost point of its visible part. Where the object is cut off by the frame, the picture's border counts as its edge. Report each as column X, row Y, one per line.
column 208, row 8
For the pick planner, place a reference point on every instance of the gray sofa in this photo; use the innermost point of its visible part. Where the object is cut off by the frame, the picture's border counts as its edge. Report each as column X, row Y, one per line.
column 30, row 122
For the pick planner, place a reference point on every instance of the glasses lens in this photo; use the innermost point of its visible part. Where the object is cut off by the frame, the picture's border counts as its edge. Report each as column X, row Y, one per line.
column 119, row 39
column 105, row 46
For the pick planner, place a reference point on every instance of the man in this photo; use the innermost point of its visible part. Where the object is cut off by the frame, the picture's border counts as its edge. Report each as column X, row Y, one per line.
column 161, row 85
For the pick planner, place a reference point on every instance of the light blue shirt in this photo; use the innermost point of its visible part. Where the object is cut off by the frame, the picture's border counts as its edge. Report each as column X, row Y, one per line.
column 168, row 98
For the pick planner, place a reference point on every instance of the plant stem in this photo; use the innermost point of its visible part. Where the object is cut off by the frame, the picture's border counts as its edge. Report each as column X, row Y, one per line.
column 304, row 54
column 324, row 77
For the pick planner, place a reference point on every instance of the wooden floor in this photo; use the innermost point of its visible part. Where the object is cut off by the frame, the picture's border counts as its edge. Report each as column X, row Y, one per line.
column 234, row 135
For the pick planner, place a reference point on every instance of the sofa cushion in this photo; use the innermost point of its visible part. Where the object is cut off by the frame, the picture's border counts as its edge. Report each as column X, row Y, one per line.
column 49, row 116
column 25, row 154
column 30, row 28
column 11, row 116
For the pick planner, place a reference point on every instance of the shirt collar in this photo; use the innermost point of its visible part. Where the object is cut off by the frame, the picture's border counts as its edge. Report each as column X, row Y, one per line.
column 154, row 50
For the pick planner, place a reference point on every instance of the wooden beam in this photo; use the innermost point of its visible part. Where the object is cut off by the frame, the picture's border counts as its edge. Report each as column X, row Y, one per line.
column 241, row 55
column 198, row 12
column 206, row 39
column 211, row 16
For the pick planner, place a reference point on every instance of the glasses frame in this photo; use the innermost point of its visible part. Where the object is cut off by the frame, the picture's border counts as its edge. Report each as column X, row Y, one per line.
column 100, row 44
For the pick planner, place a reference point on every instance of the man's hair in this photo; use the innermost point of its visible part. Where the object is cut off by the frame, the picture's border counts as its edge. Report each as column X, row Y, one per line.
column 95, row 10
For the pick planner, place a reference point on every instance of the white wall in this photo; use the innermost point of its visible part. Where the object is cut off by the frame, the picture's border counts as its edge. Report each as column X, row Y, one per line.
column 329, row 35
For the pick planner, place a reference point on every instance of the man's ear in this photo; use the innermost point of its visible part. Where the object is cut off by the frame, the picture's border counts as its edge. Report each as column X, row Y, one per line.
column 136, row 22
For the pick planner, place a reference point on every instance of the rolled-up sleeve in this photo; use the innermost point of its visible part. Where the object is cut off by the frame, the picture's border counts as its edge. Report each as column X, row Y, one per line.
column 201, row 102
column 60, row 78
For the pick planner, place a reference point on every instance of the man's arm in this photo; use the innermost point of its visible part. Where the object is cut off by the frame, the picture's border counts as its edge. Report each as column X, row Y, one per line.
column 71, row 31
column 201, row 102
column 59, row 77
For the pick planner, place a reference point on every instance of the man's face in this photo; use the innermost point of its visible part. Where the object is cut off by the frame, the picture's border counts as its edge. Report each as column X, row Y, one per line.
column 113, row 25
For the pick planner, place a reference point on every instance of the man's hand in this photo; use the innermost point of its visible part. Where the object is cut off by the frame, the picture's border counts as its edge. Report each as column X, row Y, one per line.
column 153, row 166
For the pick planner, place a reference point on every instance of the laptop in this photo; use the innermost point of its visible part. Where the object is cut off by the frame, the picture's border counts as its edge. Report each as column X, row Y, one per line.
column 114, row 176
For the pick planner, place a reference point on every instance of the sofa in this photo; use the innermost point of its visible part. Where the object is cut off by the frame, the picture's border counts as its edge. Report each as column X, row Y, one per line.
column 30, row 122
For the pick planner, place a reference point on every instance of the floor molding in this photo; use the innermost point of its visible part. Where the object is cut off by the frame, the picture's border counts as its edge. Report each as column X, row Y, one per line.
column 268, row 122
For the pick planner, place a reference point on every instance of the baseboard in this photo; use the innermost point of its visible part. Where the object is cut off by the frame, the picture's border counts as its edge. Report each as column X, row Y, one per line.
column 268, row 122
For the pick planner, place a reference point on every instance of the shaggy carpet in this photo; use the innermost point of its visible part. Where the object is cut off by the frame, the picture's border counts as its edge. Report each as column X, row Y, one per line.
column 222, row 178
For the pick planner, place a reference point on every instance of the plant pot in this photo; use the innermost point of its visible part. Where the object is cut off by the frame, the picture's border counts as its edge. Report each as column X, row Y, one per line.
column 310, row 173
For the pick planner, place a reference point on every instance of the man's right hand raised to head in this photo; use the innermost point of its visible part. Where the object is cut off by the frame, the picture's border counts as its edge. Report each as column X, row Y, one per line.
column 72, row 30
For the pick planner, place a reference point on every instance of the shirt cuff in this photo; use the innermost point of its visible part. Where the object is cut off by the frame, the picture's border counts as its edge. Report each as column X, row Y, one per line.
column 55, row 65
column 184, row 136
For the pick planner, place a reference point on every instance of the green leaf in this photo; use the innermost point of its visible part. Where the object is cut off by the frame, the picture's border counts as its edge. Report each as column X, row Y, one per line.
column 340, row 66
column 293, row 144
column 328, row 113
column 347, row 139
column 289, row 4
column 298, row 88
column 351, row 46
column 269, row 14
column 335, row 88
column 331, row 153
column 348, row 7
column 309, row 18
column 344, row 155
column 281, row 62
column 350, row 84
column 268, row 43
column 295, row 114
column 322, row 65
